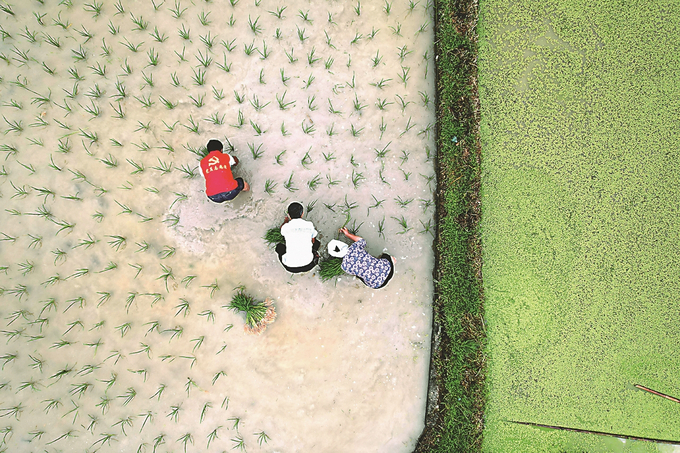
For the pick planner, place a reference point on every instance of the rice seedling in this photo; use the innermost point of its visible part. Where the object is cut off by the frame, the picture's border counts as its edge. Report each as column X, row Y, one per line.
column 426, row 204
column 402, row 103
column 13, row 103
column 311, row 57
column 358, row 106
column 181, row 55
column 28, row 167
column 189, row 172
column 279, row 12
column 396, row 30
column 19, row 192
column 406, row 174
column 270, row 187
column 140, row 23
column 121, row 92
column 408, row 127
column 132, row 47
column 265, row 51
column 255, row 27
column 168, row 104
column 426, row 131
column 289, row 184
column 11, row 150
column 357, row 37
column 118, row 111
column 192, row 126
column 198, row 77
column 138, row 168
column 55, row 42
column 117, row 242
column 13, row 126
column 142, row 146
column 354, row 131
column 167, row 274
column 332, row 182
column 404, row 76
column 14, row 411
column 291, row 55
column 39, row 18
column 301, row 34
column 106, row 50
column 113, row 29
column 29, row 35
column 232, row 21
column 85, row 33
column 255, row 102
column 357, row 178
column 203, row 18
column 177, row 12
column 59, row 255
column 401, row 202
column 95, row 92
column 197, row 101
column 79, row 54
column 230, row 46
column 171, row 220
column 403, row 224
column 39, row 122
column 404, row 156
column 255, row 152
column 308, row 129
column 92, row 109
column 310, row 102
column 249, row 49
column 21, row 56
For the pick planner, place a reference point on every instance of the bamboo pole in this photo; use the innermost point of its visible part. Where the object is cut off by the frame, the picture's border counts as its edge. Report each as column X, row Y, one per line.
column 654, row 392
column 599, row 433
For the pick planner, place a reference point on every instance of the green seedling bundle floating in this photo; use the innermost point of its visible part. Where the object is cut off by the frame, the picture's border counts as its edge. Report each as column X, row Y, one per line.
column 258, row 314
column 113, row 258
column 330, row 268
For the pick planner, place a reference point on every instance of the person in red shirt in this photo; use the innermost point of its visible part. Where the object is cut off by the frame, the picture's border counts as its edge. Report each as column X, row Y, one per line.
column 220, row 184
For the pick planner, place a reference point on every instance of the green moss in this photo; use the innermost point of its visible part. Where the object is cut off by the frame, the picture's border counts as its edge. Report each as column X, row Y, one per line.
column 580, row 224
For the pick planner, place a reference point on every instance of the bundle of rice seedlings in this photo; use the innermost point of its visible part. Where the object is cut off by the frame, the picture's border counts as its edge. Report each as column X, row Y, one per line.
column 258, row 314
column 330, row 268
column 273, row 236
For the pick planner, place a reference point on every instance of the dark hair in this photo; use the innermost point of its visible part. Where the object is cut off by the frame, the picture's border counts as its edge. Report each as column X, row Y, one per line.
column 295, row 210
column 214, row 145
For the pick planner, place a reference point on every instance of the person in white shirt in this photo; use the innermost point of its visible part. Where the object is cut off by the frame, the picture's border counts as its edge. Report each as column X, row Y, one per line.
column 299, row 253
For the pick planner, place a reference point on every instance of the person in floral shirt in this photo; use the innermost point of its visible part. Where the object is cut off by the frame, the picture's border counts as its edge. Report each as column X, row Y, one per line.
column 374, row 272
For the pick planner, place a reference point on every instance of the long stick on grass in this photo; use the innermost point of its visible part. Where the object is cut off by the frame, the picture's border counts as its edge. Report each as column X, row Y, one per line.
column 600, row 433
column 654, row 392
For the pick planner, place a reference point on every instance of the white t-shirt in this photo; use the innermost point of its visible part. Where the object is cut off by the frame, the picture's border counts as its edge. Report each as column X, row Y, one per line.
column 298, row 234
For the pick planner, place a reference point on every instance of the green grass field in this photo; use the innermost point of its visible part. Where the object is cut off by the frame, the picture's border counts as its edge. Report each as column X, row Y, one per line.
column 581, row 194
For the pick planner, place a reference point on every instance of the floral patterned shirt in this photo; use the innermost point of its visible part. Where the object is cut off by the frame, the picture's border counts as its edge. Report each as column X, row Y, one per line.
column 373, row 271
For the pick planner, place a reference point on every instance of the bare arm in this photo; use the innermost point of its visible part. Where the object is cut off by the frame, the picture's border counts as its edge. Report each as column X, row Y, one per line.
column 349, row 235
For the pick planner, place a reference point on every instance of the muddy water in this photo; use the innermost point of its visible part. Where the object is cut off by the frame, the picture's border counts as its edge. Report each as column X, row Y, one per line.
column 116, row 279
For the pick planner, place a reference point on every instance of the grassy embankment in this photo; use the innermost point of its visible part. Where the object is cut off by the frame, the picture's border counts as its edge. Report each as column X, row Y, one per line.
column 455, row 404
column 581, row 188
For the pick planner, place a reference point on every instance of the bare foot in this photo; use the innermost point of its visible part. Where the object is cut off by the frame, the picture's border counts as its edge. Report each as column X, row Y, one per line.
column 246, row 186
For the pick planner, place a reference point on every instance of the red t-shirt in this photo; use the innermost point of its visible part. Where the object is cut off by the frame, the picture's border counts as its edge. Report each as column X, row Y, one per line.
column 216, row 170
